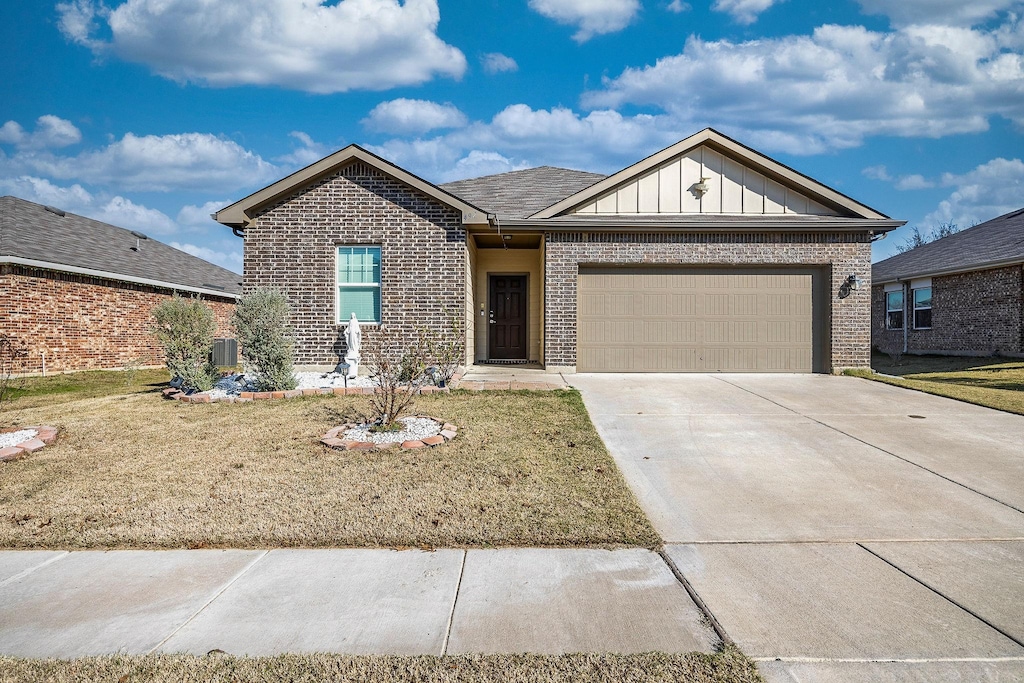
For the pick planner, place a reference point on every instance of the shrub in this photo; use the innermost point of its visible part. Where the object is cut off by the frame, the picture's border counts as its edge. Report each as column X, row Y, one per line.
column 185, row 327
column 397, row 372
column 261, row 324
column 447, row 351
column 11, row 353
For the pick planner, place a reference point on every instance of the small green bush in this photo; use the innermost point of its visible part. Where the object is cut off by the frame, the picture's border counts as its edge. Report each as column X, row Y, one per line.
column 185, row 328
column 261, row 324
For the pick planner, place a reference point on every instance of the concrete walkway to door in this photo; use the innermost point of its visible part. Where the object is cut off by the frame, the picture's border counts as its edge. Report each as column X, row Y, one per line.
column 838, row 529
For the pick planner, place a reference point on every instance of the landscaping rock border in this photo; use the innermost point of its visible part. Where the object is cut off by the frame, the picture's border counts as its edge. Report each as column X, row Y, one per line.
column 331, row 440
column 249, row 396
column 45, row 435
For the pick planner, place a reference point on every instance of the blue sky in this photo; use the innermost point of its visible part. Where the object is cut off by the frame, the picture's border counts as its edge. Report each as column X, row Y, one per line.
column 150, row 114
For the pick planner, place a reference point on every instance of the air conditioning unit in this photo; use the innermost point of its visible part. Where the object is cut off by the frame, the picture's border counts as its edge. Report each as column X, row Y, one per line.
column 225, row 352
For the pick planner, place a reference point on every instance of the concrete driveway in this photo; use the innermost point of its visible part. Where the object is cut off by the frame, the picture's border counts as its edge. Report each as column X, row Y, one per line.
column 839, row 529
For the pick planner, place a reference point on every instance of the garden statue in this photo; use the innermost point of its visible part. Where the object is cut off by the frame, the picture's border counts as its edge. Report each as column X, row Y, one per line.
column 353, row 339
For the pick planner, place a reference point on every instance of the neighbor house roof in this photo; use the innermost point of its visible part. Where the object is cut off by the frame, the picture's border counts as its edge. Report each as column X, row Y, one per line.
column 239, row 214
column 519, row 194
column 993, row 243
column 45, row 237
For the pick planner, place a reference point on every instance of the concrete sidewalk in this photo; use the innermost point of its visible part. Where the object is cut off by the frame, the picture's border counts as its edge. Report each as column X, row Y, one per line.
column 257, row 602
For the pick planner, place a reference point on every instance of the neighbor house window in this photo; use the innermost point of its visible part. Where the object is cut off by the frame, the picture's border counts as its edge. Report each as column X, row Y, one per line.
column 894, row 310
column 359, row 283
column 922, row 308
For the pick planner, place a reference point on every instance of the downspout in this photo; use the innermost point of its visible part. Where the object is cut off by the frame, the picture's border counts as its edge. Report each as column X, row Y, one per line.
column 906, row 318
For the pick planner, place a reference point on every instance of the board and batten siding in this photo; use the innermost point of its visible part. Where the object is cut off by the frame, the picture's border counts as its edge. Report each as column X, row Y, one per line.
column 732, row 189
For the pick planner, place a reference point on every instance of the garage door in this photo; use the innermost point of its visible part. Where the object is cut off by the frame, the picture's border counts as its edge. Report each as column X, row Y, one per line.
column 698, row 320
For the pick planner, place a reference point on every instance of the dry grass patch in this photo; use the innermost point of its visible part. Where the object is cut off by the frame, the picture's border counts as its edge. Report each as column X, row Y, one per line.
column 135, row 471
column 729, row 666
column 991, row 382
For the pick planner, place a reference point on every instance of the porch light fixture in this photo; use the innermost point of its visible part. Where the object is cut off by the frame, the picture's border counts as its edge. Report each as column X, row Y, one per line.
column 854, row 281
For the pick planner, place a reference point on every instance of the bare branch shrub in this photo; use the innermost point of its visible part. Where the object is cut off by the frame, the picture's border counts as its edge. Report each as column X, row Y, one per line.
column 447, row 351
column 185, row 328
column 11, row 355
column 396, row 368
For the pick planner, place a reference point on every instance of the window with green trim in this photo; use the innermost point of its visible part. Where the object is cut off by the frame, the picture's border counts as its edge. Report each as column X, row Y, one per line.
column 359, row 284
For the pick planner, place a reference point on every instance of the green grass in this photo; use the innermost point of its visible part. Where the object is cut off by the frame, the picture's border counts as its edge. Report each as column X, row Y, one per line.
column 137, row 471
column 39, row 391
column 728, row 666
column 991, row 382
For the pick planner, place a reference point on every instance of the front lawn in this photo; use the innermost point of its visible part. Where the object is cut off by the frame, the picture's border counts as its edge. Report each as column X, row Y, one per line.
column 61, row 388
column 136, row 471
column 991, row 382
column 729, row 666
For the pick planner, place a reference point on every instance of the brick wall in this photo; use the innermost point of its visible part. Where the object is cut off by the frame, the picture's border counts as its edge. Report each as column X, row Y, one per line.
column 977, row 313
column 849, row 312
column 85, row 323
column 423, row 263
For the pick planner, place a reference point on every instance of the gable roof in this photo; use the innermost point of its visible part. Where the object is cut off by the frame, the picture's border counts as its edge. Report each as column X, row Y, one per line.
column 239, row 214
column 519, row 194
column 731, row 148
column 993, row 243
column 38, row 236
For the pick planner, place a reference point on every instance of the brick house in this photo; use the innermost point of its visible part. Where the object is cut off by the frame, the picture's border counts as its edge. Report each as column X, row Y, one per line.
column 959, row 295
column 77, row 293
column 706, row 256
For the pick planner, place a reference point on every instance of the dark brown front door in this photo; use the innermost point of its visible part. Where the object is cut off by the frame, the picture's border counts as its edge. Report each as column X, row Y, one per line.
column 506, row 337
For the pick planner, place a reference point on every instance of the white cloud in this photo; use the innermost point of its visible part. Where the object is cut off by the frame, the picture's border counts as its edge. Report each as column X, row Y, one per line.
column 591, row 17
column 115, row 210
column 879, row 172
column 743, row 11
column 990, row 190
column 404, row 116
column 192, row 216
column 308, row 152
column 914, row 182
column 835, row 87
column 51, row 132
column 230, row 256
column 495, row 63
column 197, row 161
column 478, row 163
column 319, row 46
column 678, row 6
column 949, row 12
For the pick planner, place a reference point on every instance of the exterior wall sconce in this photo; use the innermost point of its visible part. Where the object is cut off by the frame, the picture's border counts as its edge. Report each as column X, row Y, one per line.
column 854, row 281
column 701, row 188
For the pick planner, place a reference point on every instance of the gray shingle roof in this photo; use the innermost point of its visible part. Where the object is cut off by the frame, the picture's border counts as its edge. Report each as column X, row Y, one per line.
column 1000, row 240
column 519, row 194
column 30, row 231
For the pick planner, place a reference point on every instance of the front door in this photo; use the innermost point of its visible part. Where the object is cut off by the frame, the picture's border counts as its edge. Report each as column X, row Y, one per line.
column 506, row 337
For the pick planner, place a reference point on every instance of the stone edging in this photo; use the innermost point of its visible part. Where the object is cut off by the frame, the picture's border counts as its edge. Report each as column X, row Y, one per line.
column 45, row 435
column 331, row 440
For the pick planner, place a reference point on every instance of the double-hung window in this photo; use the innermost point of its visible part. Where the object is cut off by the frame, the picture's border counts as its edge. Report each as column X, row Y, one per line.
column 894, row 310
column 359, row 284
column 922, row 308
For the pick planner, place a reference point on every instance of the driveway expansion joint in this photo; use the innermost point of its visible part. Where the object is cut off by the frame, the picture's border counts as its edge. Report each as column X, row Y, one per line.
column 455, row 601
column 697, row 600
column 25, row 572
column 944, row 596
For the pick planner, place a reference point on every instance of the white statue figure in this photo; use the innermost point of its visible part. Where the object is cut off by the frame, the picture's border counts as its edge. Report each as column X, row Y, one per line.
column 353, row 339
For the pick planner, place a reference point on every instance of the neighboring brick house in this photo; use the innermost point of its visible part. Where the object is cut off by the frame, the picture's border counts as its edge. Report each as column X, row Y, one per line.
column 706, row 256
column 959, row 295
column 77, row 293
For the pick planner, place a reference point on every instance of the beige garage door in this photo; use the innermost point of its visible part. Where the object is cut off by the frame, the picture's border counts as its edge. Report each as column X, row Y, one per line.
column 697, row 320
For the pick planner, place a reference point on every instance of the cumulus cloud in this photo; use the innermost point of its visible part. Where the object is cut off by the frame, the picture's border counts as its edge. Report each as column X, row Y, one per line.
column 948, row 12
column 193, row 216
column 495, row 63
column 115, row 210
column 308, row 151
column 879, row 172
column 162, row 163
column 990, row 190
column 742, row 11
column 50, row 132
column 404, row 116
column 229, row 255
column 591, row 17
column 678, row 6
column 914, row 182
column 319, row 46
column 831, row 89
column 519, row 136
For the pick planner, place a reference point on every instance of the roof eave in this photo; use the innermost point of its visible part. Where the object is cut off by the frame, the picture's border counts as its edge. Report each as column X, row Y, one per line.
column 626, row 224
column 241, row 213
column 710, row 136
column 989, row 265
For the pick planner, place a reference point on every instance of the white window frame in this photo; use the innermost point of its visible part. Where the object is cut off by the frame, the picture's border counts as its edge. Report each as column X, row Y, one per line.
column 363, row 285
column 916, row 308
column 902, row 309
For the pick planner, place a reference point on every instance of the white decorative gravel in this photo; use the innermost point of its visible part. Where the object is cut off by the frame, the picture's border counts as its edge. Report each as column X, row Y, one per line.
column 14, row 438
column 416, row 429
column 233, row 385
